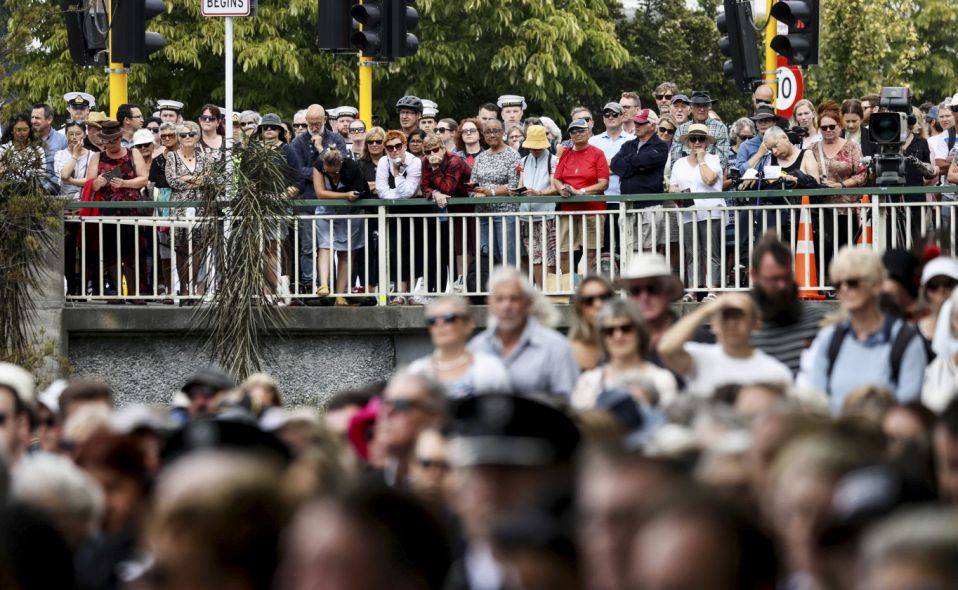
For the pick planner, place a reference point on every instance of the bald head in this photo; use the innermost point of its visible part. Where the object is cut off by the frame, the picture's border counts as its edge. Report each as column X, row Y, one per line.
column 315, row 118
column 315, row 110
column 764, row 93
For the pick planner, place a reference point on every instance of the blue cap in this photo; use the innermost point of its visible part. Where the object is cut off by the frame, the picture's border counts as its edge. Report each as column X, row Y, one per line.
column 932, row 114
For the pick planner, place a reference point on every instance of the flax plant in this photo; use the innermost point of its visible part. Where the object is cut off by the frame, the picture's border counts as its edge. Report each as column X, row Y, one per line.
column 243, row 305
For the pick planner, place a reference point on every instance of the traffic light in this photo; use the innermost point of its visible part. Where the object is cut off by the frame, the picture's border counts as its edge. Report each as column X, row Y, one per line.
column 800, row 45
column 336, row 25
column 86, row 32
column 402, row 20
column 132, row 43
column 739, row 44
column 370, row 15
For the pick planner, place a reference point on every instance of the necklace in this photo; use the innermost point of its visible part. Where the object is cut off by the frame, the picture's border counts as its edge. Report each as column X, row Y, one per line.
column 460, row 361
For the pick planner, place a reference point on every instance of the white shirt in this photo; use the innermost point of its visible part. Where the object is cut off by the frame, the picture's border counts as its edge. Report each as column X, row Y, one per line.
column 591, row 384
column 941, row 379
column 687, row 176
column 406, row 182
column 60, row 160
column 610, row 147
column 712, row 368
column 938, row 146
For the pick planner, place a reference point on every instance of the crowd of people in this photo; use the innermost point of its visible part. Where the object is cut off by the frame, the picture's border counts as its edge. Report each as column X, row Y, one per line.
column 754, row 443
column 679, row 146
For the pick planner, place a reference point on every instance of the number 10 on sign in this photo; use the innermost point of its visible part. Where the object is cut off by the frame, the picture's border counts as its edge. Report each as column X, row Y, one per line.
column 790, row 89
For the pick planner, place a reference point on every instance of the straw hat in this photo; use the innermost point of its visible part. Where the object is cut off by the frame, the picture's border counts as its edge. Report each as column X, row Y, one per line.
column 698, row 130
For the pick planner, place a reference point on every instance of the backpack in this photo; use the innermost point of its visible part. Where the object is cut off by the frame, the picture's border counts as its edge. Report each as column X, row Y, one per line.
column 902, row 340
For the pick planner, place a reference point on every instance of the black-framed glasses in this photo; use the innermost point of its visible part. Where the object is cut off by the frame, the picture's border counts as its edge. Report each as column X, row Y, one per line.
column 610, row 114
column 696, row 139
column 745, row 136
column 208, row 118
column 666, row 130
column 663, row 97
column 852, row 283
column 650, row 288
column 374, row 142
column 941, row 283
column 357, row 129
column 394, row 147
column 187, row 134
column 271, row 127
column 828, row 127
column 625, row 329
column 443, row 129
column 154, row 129
column 300, row 125
column 588, row 300
column 445, row 318
column 436, row 150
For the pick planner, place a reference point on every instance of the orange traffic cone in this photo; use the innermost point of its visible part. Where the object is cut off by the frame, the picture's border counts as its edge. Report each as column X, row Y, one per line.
column 806, row 271
column 865, row 238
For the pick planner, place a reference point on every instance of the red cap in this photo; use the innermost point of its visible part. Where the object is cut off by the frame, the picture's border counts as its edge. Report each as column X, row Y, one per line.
column 642, row 116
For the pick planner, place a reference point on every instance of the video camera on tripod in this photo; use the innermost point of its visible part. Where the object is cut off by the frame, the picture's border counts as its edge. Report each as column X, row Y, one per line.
column 888, row 130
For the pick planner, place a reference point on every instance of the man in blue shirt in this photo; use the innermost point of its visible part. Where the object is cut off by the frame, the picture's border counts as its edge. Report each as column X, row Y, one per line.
column 539, row 359
column 41, row 118
column 753, row 153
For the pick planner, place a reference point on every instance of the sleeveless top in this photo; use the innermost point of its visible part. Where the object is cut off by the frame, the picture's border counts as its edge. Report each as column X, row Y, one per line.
column 128, row 169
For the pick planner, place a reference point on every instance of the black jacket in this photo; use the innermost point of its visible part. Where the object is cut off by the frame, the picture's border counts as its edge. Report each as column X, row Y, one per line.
column 641, row 169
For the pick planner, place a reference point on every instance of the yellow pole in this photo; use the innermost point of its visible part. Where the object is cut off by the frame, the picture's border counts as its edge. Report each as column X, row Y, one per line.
column 366, row 90
column 771, row 59
column 118, row 93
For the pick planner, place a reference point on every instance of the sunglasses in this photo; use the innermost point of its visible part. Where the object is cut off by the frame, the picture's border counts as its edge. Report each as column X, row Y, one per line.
column 400, row 406
column 443, row 129
column 663, row 97
column 154, row 129
column 610, row 114
column 696, row 139
column 357, row 129
column 143, row 146
column 666, row 130
column 395, row 147
column 625, row 329
column 208, row 118
column 828, row 127
column 187, row 134
column 469, row 131
column 434, row 151
column 300, row 125
column 446, row 318
column 577, row 130
column 271, row 128
column 744, row 136
column 167, row 136
column 374, row 142
column 427, row 463
column 650, row 288
column 940, row 283
column 592, row 299
column 850, row 283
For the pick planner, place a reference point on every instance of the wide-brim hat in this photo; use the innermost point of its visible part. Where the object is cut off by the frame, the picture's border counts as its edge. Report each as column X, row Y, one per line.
column 700, row 97
column 763, row 112
column 650, row 266
column 96, row 119
column 536, row 138
column 698, row 130
column 110, row 130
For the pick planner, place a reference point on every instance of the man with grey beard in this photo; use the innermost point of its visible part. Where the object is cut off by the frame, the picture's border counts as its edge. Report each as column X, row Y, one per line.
column 444, row 175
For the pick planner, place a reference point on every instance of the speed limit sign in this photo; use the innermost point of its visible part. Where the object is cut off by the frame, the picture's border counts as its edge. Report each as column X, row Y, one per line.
column 790, row 89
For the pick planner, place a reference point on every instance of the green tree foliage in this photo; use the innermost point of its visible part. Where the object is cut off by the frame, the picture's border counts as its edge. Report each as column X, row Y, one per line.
column 934, row 75
column 668, row 41
column 866, row 44
column 470, row 52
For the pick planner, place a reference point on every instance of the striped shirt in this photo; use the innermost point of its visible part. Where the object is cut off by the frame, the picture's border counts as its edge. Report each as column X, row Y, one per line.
column 786, row 342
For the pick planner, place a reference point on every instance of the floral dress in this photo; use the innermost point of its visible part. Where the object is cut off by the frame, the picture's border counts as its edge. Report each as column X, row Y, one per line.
column 496, row 170
column 845, row 167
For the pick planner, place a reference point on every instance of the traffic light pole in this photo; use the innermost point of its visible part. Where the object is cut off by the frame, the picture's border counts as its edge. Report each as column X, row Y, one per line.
column 771, row 61
column 366, row 90
column 117, row 72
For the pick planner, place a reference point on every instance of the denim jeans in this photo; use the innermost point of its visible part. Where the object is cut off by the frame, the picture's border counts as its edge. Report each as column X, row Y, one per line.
column 503, row 252
column 306, row 250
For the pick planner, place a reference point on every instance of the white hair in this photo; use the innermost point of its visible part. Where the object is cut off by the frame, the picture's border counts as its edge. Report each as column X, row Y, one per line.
column 300, row 113
column 540, row 308
column 55, row 485
column 928, row 533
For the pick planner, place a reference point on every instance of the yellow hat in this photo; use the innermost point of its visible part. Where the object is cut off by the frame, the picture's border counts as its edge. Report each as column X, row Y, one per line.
column 536, row 138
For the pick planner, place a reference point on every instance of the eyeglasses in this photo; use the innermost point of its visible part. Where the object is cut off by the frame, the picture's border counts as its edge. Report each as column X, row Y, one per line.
column 625, row 329
column 143, row 146
column 696, row 139
column 446, row 318
column 271, row 127
column 663, row 97
column 427, row 463
column 828, row 127
column 762, row 101
column 395, row 147
column 357, row 129
column 492, row 132
column 666, row 130
column 577, row 130
column 401, row 406
column 850, row 283
column 650, row 288
column 610, row 114
column 469, row 131
column 167, row 136
column 589, row 300
column 443, row 129
column 187, row 134
column 745, row 136
column 940, row 283
column 374, row 142
column 154, row 129
column 436, row 150
column 300, row 125
column 208, row 118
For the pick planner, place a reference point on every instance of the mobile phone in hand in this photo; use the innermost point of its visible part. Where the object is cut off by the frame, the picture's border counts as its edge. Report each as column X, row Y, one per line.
column 519, row 190
column 470, row 185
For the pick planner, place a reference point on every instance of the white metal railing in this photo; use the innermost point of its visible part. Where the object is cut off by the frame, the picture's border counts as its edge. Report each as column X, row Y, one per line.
column 387, row 253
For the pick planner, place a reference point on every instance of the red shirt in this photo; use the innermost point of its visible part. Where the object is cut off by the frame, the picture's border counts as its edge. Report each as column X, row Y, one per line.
column 579, row 169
